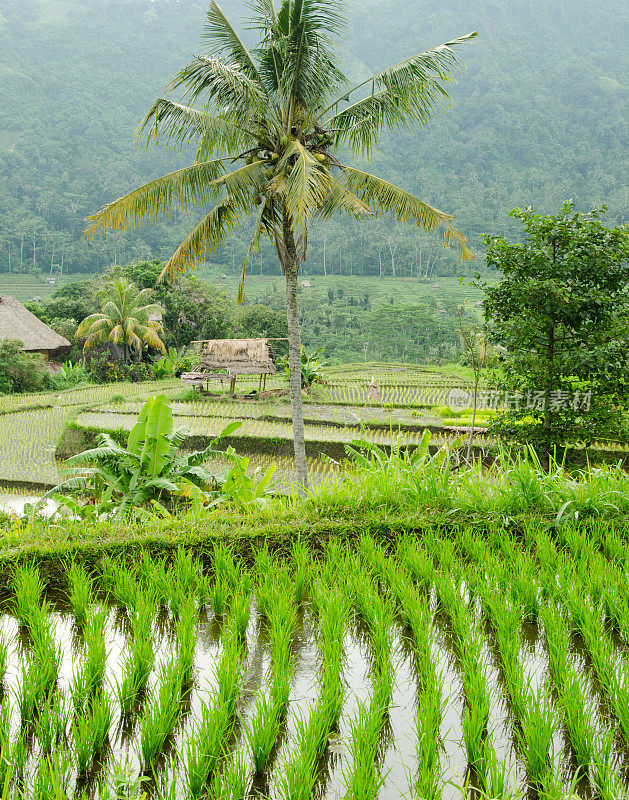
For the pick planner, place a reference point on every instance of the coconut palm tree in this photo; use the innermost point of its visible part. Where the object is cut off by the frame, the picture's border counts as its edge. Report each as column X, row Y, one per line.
column 124, row 319
column 269, row 126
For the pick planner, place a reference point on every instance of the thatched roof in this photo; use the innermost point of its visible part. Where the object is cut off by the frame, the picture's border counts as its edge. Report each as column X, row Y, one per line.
column 237, row 356
column 17, row 322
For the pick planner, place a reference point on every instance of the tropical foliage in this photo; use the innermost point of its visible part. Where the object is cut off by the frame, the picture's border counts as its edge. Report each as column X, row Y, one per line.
column 174, row 363
column 277, row 112
column 142, row 477
column 312, row 366
column 124, row 319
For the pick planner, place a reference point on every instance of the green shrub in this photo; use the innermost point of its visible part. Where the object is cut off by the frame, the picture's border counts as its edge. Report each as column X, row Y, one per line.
column 104, row 368
column 20, row 372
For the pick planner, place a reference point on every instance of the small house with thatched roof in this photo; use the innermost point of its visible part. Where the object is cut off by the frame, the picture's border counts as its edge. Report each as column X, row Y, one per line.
column 225, row 359
column 17, row 322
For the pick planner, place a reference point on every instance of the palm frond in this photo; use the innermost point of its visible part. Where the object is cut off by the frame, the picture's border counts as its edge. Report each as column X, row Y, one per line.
column 307, row 185
column 221, row 83
column 310, row 64
column 254, row 246
column 204, row 238
column 182, row 125
column 183, row 189
column 219, row 31
column 340, row 199
column 389, row 200
column 411, row 90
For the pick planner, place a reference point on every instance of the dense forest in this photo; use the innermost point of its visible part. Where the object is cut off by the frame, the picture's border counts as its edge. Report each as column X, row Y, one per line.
column 539, row 116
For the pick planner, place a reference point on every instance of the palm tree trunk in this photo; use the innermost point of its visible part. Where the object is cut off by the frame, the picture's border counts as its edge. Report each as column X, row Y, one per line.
column 291, row 269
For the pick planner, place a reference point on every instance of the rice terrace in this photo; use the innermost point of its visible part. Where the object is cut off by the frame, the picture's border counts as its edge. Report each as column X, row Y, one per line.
column 314, row 409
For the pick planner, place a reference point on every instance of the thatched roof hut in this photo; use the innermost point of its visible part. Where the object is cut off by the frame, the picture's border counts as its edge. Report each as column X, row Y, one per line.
column 237, row 356
column 17, row 322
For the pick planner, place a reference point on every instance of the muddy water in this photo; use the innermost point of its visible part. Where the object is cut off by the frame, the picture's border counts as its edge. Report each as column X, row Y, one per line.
column 398, row 741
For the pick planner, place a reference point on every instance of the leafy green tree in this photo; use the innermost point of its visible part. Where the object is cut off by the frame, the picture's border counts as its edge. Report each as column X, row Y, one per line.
column 258, row 320
column 124, row 319
column 561, row 315
column 280, row 112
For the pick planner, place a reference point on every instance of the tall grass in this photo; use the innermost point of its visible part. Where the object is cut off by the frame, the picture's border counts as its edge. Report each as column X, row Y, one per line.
column 515, row 486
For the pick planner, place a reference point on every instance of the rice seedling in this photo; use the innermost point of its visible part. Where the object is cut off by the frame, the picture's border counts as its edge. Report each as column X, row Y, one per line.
column 468, row 639
column 411, row 603
column 83, row 739
column 538, row 727
column 101, row 718
column 302, row 561
column 4, row 657
column 224, row 566
column 161, row 717
column 232, row 783
column 186, row 571
column 240, row 610
column 80, row 594
column 269, row 713
column 28, row 589
column 262, row 732
column 139, row 661
column 53, row 778
column 88, row 678
column 611, row 670
column 606, row 771
column 299, row 774
column 52, row 723
column 127, row 587
column 18, row 756
column 44, row 662
column 90, row 731
column 186, row 639
column 207, row 741
column 505, row 621
column 203, row 749
column 219, row 595
column 156, row 579
column 26, row 694
column 363, row 781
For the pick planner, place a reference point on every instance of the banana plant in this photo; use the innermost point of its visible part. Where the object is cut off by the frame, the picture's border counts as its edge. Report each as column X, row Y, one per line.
column 143, row 477
column 245, row 491
column 175, row 362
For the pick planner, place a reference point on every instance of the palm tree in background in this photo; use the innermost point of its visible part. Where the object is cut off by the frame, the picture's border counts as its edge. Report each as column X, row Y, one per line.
column 270, row 126
column 124, row 319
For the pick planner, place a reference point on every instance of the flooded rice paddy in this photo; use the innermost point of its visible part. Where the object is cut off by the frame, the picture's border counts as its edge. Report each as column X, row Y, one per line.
column 352, row 674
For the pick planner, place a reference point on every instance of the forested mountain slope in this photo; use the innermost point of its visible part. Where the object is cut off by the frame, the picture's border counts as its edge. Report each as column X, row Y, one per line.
column 539, row 116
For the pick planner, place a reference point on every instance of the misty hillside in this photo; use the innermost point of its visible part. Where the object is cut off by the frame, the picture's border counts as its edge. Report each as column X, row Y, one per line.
column 539, row 116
